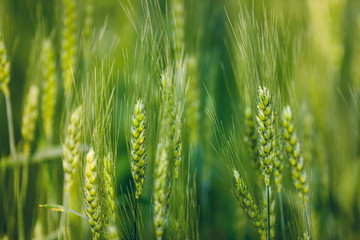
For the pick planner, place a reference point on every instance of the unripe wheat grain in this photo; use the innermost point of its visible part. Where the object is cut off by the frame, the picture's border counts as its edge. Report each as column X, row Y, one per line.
column 4, row 69
column 49, row 88
column 92, row 196
column 30, row 116
column 71, row 148
column 137, row 147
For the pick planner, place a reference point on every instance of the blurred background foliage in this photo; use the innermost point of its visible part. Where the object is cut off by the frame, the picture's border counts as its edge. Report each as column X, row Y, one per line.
column 323, row 36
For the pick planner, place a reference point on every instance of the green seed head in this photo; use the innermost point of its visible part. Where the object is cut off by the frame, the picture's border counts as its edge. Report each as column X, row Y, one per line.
column 68, row 44
column 30, row 116
column 92, row 195
column 49, row 88
column 246, row 200
column 264, row 119
column 296, row 162
column 71, row 148
column 137, row 146
column 4, row 69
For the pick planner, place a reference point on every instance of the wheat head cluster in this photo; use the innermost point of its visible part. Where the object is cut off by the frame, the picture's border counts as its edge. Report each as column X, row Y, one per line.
column 179, row 119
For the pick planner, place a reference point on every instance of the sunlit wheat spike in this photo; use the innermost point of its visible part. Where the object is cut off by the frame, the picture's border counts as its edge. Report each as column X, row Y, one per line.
column 71, row 148
column 265, row 129
column 137, row 146
column 68, row 44
column 4, row 68
column 30, row 116
column 296, row 162
column 92, row 196
column 49, row 88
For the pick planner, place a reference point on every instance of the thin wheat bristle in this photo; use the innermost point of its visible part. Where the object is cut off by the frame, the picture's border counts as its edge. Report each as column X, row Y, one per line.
column 137, row 147
column 29, row 119
column 92, row 196
column 49, row 88
column 295, row 158
column 71, row 148
column 4, row 68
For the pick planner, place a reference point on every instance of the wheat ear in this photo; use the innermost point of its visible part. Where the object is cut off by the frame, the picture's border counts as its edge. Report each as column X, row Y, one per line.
column 49, row 88
column 30, row 115
column 71, row 148
column 92, row 196
column 137, row 147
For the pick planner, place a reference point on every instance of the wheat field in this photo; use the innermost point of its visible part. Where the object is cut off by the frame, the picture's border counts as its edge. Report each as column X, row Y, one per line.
column 179, row 119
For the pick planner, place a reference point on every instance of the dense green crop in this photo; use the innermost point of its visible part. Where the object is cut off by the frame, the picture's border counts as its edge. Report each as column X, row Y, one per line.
column 179, row 119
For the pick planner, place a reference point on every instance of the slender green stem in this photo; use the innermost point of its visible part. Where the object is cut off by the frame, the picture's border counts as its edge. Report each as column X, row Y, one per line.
column 135, row 227
column 24, row 182
column 17, row 170
column 306, row 215
column 20, row 222
column 282, row 216
column 268, row 212
column 11, row 127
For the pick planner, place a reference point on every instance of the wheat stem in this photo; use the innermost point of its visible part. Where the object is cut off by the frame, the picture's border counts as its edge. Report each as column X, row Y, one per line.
column 11, row 127
column 282, row 216
column 135, row 213
column 268, row 212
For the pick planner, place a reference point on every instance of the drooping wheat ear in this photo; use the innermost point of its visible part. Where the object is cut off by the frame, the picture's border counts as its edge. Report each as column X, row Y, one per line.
column 110, row 206
column 71, row 148
column 251, row 138
column 49, row 88
column 264, row 217
column 178, row 25
column 265, row 129
column 92, row 196
column 296, row 161
column 137, row 146
column 161, row 186
column 246, row 200
column 29, row 119
column 193, row 101
column 68, row 43
column 4, row 69
column 178, row 148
